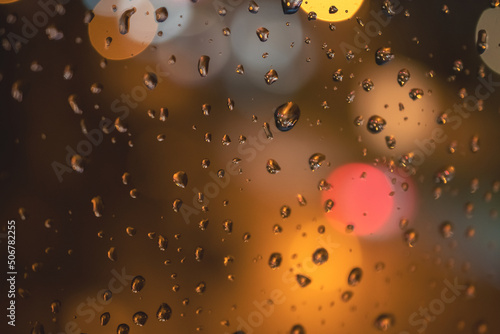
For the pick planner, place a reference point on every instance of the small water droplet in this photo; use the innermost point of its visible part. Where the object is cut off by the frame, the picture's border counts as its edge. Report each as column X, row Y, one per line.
column 271, row 77
column 316, row 161
column 272, row 167
column 286, row 116
column 303, row 280
column 383, row 55
column 104, row 319
column 390, row 141
column 446, row 229
column 263, row 34
column 137, row 284
column 355, row 276
column 376, row 124
column 367, row 85
column 275, row 260
column 482, row 41
column 140, row 318
column 384, row 322
column 416, row 93
column 124, row 22
column 150, row 80
column 164, row 312
column 253, row 7
column 291, row 6
column 285, row 211
column 180, row 179
column 203, row 63
column 410, row 237
column 161, row 14
column 446, row 175
column 320, row 256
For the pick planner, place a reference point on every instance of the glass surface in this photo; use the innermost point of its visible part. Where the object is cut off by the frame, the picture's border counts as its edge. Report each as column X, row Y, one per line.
column 230, row 166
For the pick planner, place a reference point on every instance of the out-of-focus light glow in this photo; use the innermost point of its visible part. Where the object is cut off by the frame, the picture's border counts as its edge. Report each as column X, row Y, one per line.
column 489, row 21
column 346, row 9
column 7, row 1
column 278, row 52
column 362, row 197
column 105, row 25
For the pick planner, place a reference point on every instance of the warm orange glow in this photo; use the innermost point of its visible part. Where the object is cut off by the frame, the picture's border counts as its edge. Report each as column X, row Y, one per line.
column 7, row 1
column 346, row 9
column 105, row 25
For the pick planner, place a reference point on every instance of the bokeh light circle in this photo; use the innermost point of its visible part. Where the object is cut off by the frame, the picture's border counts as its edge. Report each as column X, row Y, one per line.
column 489, row 21
column 142, row 28
column 346, row 9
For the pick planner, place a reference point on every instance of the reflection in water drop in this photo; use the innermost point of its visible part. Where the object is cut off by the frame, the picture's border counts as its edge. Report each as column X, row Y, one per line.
column 124, row 22
column 203, row 63
column 286, row 115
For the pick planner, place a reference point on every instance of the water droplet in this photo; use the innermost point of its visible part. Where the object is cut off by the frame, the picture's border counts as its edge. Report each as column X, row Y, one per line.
column 286, row 116
column 416, row 93
column 458, row 66
column 329, row 205
column 97, row 206
column 390, row 141
column 253, row 7
column 346, row 296
column 355, row 276
column 474, row 144
column 124, row 22
column 227, row 225
column 383, row 55
column 376, row 124
column 301, row 199
column 203, row 63
column 367, row 85
column 316, row 160
column 107, row 295
column 410, row 237
column 290, row 6
column 164, row 312
column 333, row 10
column 150, row 80
column 320, row 256
column 350, row 97
column 388, row 8
column 140, row 318
column 240, row 69
column 297, row 329
column 162, row 242
column 330, row 54
column 77, row 163
column 137, row 284
column 446, row 229
column 200, row 288
column 338, row 75
column 112, row 254
column 303, row 280
column 271, row 77
column 55, row 306
column 482, row 41
column 161, row 14
column 104, row 319
column 285, row 211
column 263, row 34
column 323, row 185
column 446, row 175
column 272, row 167
column 180, row 179
column 198, row 253
column 384, row 322
column 73, row 102
column 275, row 260
column 130, row 231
